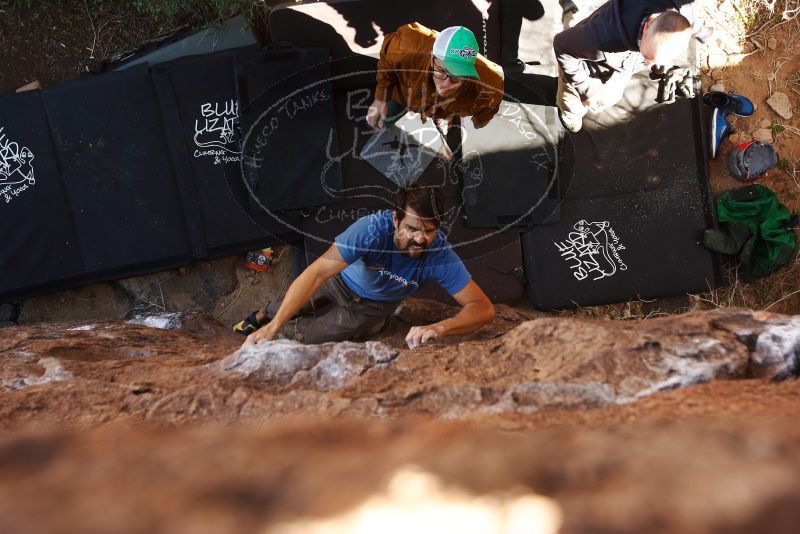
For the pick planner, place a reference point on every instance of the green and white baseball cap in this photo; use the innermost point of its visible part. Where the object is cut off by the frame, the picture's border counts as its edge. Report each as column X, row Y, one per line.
column 457, row 48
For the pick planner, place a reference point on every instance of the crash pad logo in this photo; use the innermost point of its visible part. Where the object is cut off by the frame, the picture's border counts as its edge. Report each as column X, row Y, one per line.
column 215, row 132
column 16, row 168
column 592, row 250
column 402, row 151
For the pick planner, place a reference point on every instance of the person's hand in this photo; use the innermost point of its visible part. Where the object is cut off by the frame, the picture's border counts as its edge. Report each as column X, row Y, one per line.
column 594, row 103
column 263, row 334
column 377, row 114
column 419, row 335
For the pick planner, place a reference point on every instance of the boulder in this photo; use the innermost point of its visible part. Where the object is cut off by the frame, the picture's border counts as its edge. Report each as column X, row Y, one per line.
column 195, row 369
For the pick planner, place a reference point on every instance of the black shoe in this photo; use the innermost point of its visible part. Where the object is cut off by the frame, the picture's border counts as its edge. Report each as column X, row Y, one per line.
column 729, row 103
column 248, row 325
column 568, row 6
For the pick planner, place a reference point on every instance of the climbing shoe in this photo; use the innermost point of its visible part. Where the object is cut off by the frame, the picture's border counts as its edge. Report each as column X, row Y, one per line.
column 248, row 325
column 720, row 129
column 729, row 103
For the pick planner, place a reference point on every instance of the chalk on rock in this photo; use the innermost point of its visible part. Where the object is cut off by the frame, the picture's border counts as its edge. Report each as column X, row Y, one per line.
column 777, row 350
column 331, row 365
column 164, row 321
column 274, row 362
column 379, row 352
column 346, row 360
column 53, row 372
column 781, row 104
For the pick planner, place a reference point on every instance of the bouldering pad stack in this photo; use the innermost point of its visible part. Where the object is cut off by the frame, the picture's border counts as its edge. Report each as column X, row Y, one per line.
column 238, row 149
column 131, row 172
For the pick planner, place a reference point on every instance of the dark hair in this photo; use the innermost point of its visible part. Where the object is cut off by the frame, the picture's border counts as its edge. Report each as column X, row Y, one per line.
column 426, row 201
column 669, row 22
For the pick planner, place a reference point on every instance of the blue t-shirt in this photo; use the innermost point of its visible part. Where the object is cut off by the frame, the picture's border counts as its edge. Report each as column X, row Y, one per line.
column 377, row 271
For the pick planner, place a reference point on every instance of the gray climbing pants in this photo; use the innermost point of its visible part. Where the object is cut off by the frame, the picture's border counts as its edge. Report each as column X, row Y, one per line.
column 350, row 318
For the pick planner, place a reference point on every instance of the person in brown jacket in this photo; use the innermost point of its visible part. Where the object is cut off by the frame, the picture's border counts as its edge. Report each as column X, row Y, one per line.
column 439, row 75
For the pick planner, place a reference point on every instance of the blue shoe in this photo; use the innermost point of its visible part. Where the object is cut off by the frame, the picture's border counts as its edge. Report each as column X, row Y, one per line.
column 730, row 102
column 720, row 129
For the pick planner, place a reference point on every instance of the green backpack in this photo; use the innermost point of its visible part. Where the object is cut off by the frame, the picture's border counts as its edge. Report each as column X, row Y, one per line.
column 755, row 226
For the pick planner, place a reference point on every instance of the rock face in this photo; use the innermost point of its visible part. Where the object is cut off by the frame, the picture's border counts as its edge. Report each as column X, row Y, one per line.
column 197, row 372
column 590, row 403
column 781, row 105
column 330, row 365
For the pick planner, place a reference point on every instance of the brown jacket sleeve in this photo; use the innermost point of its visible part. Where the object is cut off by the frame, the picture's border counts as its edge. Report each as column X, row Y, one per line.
column 387, row 65
column 487, row 103
column 482, row 117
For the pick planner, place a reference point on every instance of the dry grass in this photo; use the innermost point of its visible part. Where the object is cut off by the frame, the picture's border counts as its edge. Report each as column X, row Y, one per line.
column 118, row 28
column 777, row 293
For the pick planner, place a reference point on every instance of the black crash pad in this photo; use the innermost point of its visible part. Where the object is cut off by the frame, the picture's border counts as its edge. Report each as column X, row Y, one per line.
column 116, row 169
column 115, row 181
column 199, row 99
column 288, row 130
column 635, row 208
column 620, row 247
column 510, row 166
column 39, row 244
column 493, row 258
column 637, row 145
column 233, row 33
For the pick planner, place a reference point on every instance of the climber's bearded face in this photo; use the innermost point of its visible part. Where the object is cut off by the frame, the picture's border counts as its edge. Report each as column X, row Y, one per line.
column 413, row 234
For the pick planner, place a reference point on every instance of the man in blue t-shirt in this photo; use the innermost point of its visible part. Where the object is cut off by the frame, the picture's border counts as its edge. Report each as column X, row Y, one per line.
column 371, row 267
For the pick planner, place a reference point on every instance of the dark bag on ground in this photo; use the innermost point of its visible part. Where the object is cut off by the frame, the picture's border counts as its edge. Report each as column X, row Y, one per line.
column 752, row 160
column 756, row 227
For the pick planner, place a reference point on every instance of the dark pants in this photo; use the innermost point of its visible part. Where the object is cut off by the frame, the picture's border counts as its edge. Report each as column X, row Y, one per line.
column 394, row 112
column 350, row 318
